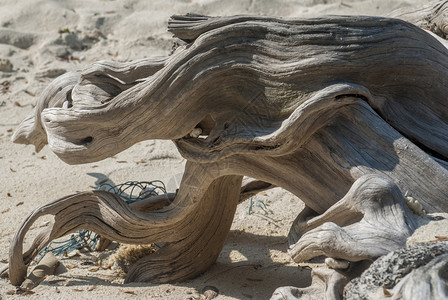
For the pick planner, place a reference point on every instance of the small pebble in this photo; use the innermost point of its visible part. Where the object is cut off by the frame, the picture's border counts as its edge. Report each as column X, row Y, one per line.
column 336, row 264
column 210, row 292
column 5, row 65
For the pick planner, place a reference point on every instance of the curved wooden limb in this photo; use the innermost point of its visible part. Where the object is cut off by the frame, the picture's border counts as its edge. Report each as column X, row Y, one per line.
column 100, row 82
column 199, row 250
column 106, row 214
column 325, row 286
column 94, row 86
column 257, row 86
column 308, row 105
column 126, row 72
column 31, row 129
column 45, row 236
column 371, row 220
column 71, row 215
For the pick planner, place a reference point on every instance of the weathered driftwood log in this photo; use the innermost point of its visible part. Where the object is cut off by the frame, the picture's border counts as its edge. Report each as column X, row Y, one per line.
column 414, row 272
column 332, row 108
column 327, row 284
column 369, row 221
column 47, row 266
column 432, row 16
column 99, row 210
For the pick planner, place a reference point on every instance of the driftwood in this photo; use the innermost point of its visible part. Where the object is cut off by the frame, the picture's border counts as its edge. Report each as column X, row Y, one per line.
column 432, row 17
column 47, row 266
column 326, row 284
column 369, row 221
column 347, row 113
column 414, row 272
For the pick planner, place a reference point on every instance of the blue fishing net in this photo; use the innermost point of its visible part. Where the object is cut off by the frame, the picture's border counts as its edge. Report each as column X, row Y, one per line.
column 131, row 191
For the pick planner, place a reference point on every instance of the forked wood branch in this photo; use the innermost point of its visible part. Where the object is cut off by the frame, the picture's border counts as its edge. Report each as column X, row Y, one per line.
column 347, row 113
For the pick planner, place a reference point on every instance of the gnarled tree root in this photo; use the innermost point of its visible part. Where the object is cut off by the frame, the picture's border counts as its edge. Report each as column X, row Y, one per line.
column 194, row 226
column 327, row 284
column 370, row 221
column 323, row 108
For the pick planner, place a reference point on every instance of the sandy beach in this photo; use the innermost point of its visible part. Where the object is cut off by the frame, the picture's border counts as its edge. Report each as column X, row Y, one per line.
column 43, row 39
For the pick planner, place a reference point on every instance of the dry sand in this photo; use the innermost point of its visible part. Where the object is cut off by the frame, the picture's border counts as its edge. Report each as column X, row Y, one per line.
column 40, row 40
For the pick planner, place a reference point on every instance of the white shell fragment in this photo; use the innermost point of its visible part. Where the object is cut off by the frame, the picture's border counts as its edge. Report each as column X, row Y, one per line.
column 414, row 205
column 195, row 133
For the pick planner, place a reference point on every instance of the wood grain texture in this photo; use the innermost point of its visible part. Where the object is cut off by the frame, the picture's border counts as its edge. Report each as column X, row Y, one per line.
column 370, row 221
column 433, row 16
column 346, row 112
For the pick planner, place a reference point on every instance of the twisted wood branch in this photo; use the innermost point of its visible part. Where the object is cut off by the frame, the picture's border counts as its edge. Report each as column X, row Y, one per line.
column 314, row 106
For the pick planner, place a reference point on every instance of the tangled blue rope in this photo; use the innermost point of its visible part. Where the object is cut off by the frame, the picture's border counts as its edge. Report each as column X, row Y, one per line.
column 133, row 191
column 257, row 203
column 130, row 192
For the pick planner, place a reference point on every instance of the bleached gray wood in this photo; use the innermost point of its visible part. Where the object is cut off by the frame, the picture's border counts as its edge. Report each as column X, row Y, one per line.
column 47, row 266
column 432, row 16
column 370, row 221
column 328, row 108
column 210, row 211
column 31, row 129
column 327, row 284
